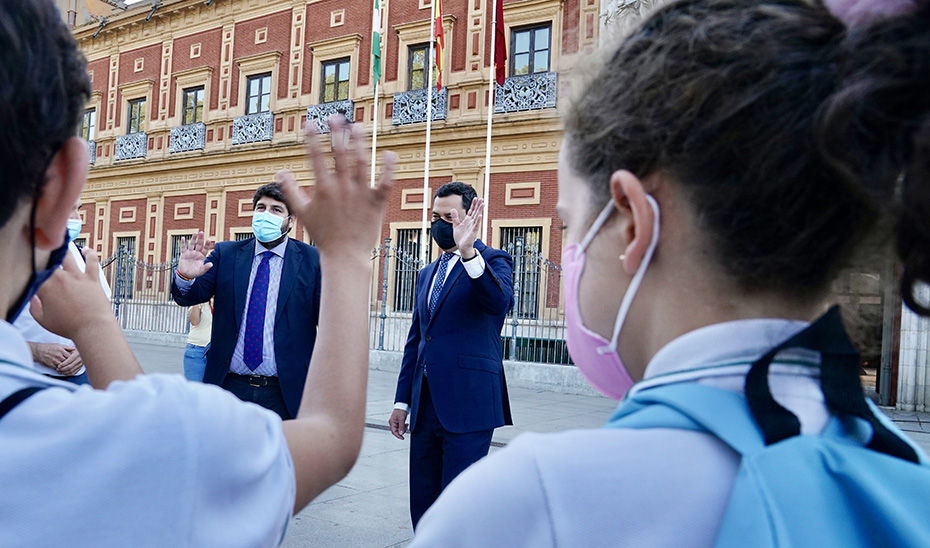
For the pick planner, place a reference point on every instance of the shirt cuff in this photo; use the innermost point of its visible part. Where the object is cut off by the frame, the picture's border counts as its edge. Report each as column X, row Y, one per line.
column 182, row 284
column 474, row 267
column 402, row 406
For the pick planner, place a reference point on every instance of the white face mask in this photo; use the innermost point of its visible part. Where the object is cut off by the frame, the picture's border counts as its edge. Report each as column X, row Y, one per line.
column 596, row 357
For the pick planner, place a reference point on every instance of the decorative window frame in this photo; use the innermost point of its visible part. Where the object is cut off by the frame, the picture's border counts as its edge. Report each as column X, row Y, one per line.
column 179, row 216
column 244, row 202
column 408, row 191
column 130, row 219
column 544, row 222
column 115, row 236
column 130, row 92
column 187, row 79
column 331, row 50
column 536, row 186
column 254, row 65
column 417, row 33
column 536, row 12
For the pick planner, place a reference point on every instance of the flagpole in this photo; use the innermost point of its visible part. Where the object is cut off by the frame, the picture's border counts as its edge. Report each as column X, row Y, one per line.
column 376, row 26
column 492, row 81
column 424, row 242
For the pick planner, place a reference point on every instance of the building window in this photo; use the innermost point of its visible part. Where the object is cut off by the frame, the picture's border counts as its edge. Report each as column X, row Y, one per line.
column 530, row 47
column 89, row 125
column 526, row 271
column 406, row 254
column 242, row 236
column 258, row 93
column 176, row 248
column 123, row 284
column 335, row 81
column 136, row 115
column 193, row 105
column 418, row 68
column 80, row 242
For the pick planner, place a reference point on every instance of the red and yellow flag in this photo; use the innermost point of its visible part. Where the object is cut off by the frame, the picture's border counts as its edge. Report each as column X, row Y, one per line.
column 440, row 41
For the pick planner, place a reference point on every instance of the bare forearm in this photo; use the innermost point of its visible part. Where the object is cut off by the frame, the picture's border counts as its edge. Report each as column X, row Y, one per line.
column 333, row 404
column 106, row 353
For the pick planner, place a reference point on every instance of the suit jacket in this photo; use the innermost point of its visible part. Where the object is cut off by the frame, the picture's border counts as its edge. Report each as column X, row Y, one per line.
column 295, row 321
column 460, row 346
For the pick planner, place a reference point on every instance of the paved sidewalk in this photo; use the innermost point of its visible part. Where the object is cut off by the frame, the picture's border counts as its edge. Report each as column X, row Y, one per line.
column 368, row 509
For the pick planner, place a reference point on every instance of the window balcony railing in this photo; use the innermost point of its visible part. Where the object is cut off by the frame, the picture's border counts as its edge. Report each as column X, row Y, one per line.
column 253, row 128
column 92, row 149
column 318, row 114
column 130, row 146
column 526, row 92
column 187, row 137
column 410, row 106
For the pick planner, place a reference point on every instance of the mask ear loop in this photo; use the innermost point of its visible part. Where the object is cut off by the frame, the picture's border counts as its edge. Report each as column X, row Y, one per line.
column 637, row 279
column 598, row 223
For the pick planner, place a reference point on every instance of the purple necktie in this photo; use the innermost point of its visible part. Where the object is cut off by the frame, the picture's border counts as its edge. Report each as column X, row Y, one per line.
column 255, row 316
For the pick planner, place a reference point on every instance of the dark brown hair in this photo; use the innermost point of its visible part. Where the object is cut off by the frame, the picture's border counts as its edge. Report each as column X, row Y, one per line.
column 785, row 131
column 43, row 90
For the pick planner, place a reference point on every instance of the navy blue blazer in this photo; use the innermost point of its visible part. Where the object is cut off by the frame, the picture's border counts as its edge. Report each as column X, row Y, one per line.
column 460, row 346
column 295, row 321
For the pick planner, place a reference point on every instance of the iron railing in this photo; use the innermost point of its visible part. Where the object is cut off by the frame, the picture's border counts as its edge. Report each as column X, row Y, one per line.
column 141, row 294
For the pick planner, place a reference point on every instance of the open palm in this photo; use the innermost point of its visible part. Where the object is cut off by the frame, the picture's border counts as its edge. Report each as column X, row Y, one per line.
column 191, row 261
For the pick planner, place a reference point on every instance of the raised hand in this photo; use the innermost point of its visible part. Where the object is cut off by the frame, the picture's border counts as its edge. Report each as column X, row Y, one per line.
column 191, row 261
column 344, row 215
column 71, row 300
column 465, row 231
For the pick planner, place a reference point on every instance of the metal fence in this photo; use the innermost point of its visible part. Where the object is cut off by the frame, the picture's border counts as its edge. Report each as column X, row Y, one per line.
column 534, row 330
column 141, row 294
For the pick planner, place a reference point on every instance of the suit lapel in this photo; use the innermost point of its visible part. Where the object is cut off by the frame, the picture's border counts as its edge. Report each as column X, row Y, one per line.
column 241, row 277
column 292, row 261
column 423, row 295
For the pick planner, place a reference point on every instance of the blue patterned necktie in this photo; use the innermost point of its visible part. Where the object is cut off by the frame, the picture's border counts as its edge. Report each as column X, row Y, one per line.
column 255, row 316
column 440, row 279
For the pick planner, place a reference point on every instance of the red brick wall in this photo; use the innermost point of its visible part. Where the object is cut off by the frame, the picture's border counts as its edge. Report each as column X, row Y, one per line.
column 358, row 14
column 170, row 223
column 549, row 194
column 137, row 225
column 101, row 69
column 279, row 37
column 458, row 8
column 233, row 220
column 90, row 227
column 211, row 43
column 570, row 14
column 150, row 71
column 400, row 12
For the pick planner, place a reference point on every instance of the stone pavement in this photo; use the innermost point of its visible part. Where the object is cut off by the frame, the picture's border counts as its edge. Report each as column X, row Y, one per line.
column 368, row 509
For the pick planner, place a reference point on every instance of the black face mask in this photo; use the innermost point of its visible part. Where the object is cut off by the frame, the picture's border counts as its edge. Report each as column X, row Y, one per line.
column 442, row 233
column 39, row 277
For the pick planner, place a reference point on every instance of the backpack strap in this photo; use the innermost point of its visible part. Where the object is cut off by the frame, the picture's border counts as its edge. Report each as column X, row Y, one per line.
column 696, row 407
column 17, row 398
column 839, row 381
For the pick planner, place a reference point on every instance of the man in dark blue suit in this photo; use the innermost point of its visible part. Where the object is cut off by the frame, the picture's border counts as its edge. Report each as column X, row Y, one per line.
column 266, row 306
column 451, row 380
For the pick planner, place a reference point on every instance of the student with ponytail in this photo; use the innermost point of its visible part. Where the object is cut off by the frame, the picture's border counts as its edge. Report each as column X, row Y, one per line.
column 718, row 172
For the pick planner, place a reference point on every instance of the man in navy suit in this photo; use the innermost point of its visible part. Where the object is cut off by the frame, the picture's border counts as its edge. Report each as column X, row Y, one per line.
column 451, row 380
column 266, row 306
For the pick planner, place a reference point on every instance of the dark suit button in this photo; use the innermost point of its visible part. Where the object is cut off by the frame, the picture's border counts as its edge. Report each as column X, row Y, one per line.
column 428, row 338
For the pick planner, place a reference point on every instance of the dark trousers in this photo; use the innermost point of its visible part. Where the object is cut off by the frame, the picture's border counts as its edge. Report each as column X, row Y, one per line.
column 268, row 396
column 437, row 456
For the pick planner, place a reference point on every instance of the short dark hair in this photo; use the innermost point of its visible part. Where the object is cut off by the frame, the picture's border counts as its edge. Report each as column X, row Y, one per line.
column 272, row 190
column 467, row 193
column 786, row 132
column 44, row 88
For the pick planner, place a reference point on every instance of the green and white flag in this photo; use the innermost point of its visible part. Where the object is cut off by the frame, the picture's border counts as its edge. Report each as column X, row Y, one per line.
column 376, row 41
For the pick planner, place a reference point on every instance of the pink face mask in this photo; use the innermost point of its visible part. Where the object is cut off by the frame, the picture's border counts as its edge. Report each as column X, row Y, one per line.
column 596, row 357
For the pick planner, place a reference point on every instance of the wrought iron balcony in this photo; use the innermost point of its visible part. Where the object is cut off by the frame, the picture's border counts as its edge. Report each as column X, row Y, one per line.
column 318, row 114
column 130, row 146
column 526, row 92
column 187, row 137
column 253, row 128
column 410, row 106
column 92, row 148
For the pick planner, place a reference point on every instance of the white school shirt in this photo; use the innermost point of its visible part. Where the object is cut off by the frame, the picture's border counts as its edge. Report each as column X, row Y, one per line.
column 153, row 462
column 33, row 332
column 601, row 488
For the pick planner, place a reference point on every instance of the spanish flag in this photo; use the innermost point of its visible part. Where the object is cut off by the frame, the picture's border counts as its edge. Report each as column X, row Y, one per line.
column 440, row 42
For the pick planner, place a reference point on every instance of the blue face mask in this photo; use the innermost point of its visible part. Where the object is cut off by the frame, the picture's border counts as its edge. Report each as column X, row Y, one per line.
column 39, row 277
column 74, row 229
column 267, row 226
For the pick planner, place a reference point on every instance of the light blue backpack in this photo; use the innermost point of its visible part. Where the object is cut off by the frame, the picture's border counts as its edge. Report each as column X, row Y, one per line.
column 858, row 483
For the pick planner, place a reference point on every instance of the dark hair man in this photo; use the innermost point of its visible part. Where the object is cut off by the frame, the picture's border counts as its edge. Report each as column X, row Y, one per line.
column 451, row 380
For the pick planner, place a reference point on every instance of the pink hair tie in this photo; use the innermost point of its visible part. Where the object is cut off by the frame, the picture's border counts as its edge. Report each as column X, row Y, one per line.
column 856, row 13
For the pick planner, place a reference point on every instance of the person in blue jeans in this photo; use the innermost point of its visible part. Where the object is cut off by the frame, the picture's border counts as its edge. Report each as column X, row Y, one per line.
column 198, row 341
